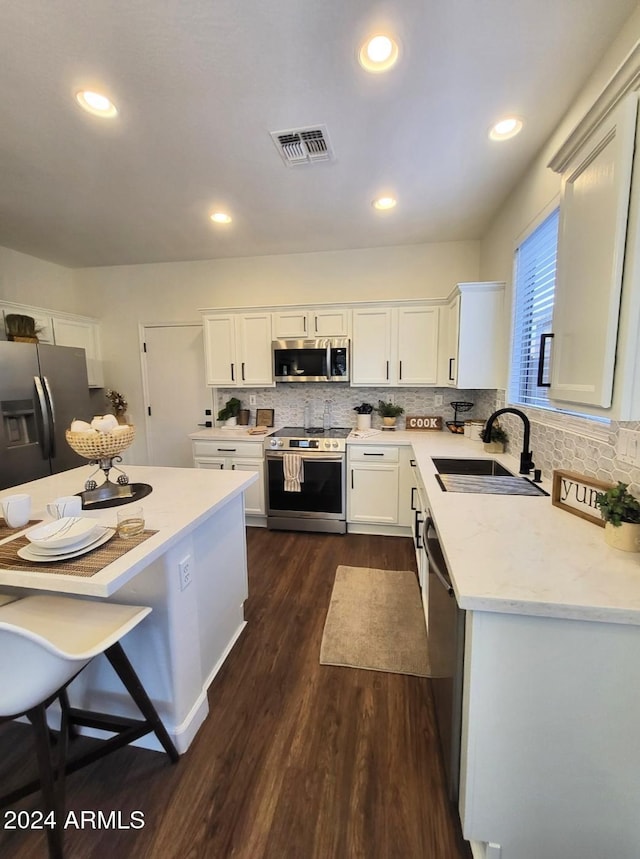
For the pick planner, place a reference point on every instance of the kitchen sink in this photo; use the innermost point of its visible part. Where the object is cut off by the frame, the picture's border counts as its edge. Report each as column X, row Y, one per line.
column 489, row 467
column 483, row 476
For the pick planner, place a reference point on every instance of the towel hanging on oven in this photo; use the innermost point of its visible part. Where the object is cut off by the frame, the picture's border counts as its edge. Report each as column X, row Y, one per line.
column 293, row 472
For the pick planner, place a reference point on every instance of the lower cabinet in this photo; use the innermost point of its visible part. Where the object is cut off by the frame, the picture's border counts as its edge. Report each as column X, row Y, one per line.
column 240, row 456
column 373, row 483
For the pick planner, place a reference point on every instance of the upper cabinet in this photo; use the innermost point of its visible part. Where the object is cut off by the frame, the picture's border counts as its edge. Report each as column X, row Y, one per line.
column 85, row 335
column 395, row 346
column 472, row 329
column 238, row 349
column 302, row 323
column 594, row 212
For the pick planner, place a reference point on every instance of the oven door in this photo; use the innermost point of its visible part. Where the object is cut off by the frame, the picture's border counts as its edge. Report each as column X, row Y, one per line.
column 322, row 492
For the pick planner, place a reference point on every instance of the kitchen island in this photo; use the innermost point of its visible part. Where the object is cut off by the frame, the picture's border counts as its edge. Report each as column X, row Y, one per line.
column 198, row 520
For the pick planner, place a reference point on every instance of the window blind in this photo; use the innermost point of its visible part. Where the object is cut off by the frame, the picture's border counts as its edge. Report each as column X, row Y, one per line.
column 535, row 279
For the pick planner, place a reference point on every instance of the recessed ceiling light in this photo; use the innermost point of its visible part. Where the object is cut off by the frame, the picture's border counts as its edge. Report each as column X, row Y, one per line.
column 506, row 128
column 382, row 204
column 378, row 53
column 221, row 218
column 96, row 103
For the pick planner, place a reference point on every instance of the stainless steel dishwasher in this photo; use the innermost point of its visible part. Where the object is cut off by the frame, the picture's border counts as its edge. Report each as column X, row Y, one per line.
column 446, row 656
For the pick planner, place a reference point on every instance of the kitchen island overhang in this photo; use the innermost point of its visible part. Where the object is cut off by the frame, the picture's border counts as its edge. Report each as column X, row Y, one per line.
column 198, row 516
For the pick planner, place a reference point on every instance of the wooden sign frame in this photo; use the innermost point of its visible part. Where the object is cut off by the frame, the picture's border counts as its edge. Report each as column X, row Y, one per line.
column 584, row 489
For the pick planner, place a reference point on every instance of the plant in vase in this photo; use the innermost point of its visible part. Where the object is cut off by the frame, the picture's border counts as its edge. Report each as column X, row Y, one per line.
column 229, row 412
column 499, row 438
column 621, row 513
column 118, row 405
column 389, row 412
column 363, row 412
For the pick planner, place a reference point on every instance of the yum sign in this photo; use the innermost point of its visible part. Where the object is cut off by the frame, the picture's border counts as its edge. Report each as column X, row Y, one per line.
column 577, row 494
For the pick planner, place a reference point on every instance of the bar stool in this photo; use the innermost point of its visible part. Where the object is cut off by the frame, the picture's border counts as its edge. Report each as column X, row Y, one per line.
column 45, row 641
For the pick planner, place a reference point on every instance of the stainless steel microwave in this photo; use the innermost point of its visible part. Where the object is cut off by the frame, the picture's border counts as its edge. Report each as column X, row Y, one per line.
column 322, row 360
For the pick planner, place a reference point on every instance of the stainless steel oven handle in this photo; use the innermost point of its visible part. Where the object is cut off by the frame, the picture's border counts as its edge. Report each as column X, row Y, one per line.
column 442, row 575
column 328, row 360
column 320, row 457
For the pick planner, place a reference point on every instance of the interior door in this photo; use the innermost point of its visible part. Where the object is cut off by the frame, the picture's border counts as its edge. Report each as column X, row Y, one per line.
column 176, row 395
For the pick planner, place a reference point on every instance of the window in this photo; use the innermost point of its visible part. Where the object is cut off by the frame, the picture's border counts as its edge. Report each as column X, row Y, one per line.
column 535, row 280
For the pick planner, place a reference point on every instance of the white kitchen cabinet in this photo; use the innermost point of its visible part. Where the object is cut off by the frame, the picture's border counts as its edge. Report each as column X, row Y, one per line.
column 395, row 346
column 373, row 484
column 304, row 322
column 473, row 324
column 238, row 349
column 83, row 335
column 594, row 208
column 238, row 456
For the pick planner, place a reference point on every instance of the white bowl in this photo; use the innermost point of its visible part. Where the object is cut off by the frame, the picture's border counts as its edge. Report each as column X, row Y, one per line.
column 63, row 532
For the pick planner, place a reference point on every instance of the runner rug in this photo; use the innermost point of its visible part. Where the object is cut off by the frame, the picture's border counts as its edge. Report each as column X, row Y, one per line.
column 376, row 621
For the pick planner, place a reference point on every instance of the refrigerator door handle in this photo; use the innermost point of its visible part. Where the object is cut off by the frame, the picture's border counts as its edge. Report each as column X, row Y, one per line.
column 46, row 426
column 51, row 417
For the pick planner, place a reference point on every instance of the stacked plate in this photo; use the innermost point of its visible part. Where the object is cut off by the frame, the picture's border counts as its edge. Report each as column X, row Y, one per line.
column 65, row 538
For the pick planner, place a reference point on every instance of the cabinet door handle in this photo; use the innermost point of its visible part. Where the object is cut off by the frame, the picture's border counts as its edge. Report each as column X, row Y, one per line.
column 315, row 322
column 304, row 322
column 418, row 523
column 233, row 378
column 451, row 376
column 352, row 478
column 242, row 368
column 226, row 449
column 373, row 454
column 543, row 342
column 387, row 370
column 413, row 503
column 400, row 370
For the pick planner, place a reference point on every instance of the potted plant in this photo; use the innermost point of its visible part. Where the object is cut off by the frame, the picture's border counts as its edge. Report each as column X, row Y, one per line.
column 21, row 328
column 229, row 412
column 621, row 513
column 499, row 438
column 363, row 412
column 118, row 405
column 389, row 412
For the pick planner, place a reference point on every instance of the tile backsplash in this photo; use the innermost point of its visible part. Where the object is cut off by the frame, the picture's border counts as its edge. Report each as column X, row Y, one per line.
column 288, row 402
column 553, row 446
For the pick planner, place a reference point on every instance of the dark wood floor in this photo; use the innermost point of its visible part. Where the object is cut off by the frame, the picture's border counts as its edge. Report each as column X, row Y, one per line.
column 297, row 760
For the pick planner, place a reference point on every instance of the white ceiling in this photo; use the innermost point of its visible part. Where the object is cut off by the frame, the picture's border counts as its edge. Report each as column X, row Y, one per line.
column 200, row 84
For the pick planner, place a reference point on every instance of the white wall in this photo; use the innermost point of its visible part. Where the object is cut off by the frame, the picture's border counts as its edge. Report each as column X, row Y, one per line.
column 27, row 280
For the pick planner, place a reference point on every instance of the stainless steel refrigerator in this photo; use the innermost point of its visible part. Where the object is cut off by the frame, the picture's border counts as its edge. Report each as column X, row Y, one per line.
column 42, row 389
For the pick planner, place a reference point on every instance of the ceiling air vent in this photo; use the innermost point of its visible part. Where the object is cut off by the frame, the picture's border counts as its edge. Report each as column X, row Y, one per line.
column 303, row 145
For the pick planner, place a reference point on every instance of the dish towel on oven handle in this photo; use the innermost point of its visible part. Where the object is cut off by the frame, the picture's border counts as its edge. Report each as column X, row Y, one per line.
column 293, row 472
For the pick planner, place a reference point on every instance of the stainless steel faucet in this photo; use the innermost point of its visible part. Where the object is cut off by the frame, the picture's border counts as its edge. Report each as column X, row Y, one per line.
column 526, row 462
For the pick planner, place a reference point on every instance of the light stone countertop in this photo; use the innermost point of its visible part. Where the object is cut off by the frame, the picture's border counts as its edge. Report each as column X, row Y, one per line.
column 182, row 498
column 521, row 554
column 231, row 434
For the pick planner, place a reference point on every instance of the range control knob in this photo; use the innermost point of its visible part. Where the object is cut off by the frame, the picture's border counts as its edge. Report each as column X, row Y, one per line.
column 273, row 442
column 335, row 444
column 280, row 443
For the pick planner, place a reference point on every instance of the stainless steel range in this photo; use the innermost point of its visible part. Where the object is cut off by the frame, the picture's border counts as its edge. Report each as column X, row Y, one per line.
column 306, row 483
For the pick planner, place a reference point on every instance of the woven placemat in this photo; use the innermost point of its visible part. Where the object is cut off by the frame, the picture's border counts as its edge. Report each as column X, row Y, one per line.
column 6, row 531
column 85, row 566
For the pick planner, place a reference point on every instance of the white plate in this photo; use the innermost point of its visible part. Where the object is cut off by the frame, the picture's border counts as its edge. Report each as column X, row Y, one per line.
column 27, row 553
column 85, row 543
column 62, row 532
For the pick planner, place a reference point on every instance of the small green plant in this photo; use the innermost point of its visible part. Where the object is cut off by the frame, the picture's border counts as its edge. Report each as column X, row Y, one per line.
column 389, row 410
column 230, row 409
column 363, row 409
column 617, row 505
column 499, row 435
